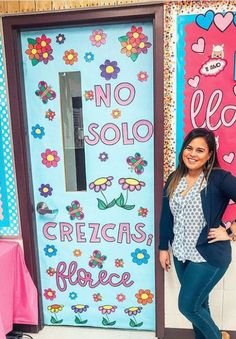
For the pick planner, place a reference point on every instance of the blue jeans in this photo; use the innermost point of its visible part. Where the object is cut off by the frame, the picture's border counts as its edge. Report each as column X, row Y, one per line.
column 197, row 280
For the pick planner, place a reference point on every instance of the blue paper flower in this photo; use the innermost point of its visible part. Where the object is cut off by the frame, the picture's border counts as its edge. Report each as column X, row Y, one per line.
column 37, row 131
column 89, row 56
column 140, row 256
column 50, row 250
column 73, row 295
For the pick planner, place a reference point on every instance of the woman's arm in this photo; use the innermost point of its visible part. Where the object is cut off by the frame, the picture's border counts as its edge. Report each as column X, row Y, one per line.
column 166, row 220
column 228, row 186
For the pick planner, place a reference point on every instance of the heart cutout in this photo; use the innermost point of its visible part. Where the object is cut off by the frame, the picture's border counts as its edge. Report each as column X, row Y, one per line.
column 222, row 21
column 205, row 20
column 229, row 157
column 199, row 46
column 193, row 82
column 234, row 89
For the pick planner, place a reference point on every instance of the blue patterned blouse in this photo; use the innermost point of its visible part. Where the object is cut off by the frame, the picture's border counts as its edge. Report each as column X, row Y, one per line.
column 188, row 220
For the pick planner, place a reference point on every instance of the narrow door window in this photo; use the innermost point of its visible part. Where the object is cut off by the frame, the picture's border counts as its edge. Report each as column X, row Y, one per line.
column 73, row 132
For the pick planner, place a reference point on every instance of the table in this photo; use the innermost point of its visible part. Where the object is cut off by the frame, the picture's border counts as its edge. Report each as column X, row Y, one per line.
column 18, row 294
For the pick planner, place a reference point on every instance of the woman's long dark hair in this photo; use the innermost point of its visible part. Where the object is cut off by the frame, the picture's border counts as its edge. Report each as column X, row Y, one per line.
column 211, row 163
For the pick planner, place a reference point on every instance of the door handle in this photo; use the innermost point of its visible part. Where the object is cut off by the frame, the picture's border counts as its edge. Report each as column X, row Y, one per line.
column 42, row 208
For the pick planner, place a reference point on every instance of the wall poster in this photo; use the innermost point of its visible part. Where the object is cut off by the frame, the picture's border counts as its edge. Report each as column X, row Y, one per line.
column 201, row 54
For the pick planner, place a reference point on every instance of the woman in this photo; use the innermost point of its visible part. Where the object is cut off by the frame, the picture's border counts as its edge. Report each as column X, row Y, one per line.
column 195, row 197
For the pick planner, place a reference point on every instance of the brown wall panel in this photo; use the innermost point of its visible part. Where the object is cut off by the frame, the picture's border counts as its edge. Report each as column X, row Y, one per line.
column 2, row 7
column 31, row 6
column 59, row 5
column 43, row 6
column 27, row 6
column 11, row 6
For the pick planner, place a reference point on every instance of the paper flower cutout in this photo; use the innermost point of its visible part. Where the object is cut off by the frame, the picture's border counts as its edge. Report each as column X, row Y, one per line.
column 109, row 70
column 60, row 38
column 98, row 38
column 70, row 57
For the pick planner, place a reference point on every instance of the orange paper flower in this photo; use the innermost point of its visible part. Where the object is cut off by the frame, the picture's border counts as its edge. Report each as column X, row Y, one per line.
column 32, row 52
column 77, row 252
column 144, row 297
column 70, row 57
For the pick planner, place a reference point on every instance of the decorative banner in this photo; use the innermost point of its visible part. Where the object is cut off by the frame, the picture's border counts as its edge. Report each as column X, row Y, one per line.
column 9, row 225
column 205, row 74
column 96, row 246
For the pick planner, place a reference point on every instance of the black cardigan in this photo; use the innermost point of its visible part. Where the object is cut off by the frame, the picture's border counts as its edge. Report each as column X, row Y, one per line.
column 221, row 187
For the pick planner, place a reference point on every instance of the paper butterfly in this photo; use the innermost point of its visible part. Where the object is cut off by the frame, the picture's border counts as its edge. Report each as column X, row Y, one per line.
column 75, row 210
column 45, row 92
column 137, row 163
column 96, row 260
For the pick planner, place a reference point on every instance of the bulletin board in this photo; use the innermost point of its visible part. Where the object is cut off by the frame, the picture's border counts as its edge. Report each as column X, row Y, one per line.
column 202, row 93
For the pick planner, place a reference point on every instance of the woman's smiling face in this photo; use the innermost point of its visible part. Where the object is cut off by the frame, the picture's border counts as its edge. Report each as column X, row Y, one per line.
column 196, row 154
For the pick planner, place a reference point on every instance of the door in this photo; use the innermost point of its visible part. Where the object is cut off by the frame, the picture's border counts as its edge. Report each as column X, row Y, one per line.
column 89, row 104
column 134, row 126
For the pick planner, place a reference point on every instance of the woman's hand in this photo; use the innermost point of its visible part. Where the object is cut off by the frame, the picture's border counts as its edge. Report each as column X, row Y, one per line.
column 217, row 234
column 233, row 230
column 164, row 258
column 233, row 227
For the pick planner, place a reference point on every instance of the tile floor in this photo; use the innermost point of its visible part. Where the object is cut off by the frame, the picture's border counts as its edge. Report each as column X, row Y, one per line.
column 66, row 332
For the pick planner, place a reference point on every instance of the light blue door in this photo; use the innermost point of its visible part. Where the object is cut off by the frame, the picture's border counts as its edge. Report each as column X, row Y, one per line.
column 89, row 100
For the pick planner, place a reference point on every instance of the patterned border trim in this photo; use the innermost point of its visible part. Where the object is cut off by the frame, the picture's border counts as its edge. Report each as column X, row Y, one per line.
column 9, row 225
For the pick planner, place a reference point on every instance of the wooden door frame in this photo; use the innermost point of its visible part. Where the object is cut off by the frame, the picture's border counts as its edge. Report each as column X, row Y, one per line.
column 12, row 25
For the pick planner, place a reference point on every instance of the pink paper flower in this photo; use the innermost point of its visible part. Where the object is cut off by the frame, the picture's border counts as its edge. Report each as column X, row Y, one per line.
column 120, row 297
column 133, row 310
column 49, row 294
column 131, row 184
column 142, row 76
column 50, row 158
column 107, row 309
column 98, row 38
column 101, row 184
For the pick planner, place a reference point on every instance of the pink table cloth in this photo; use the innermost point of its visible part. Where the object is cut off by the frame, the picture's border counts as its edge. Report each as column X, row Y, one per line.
column 18, row 294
